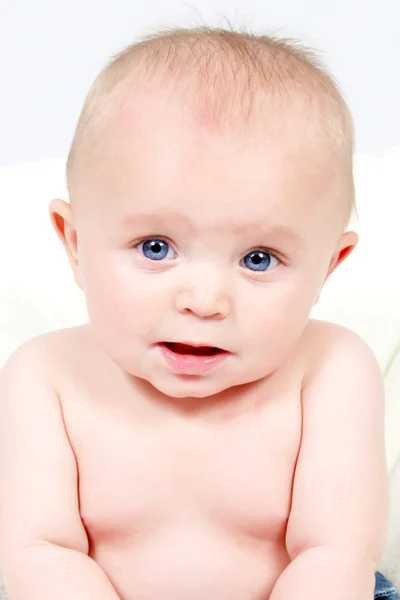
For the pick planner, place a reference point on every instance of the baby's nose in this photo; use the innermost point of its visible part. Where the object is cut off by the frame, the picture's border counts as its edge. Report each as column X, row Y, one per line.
column 203, row 304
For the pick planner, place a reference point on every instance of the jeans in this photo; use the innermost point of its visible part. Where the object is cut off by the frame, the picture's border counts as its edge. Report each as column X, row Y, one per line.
column 384, row 589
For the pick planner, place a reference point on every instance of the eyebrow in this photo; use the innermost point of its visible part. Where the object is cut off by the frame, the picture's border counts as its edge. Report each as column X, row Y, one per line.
column 278, row 232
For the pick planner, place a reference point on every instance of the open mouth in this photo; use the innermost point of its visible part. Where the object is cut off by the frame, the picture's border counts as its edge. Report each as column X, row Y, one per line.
column 188, row 359
column 195, row 350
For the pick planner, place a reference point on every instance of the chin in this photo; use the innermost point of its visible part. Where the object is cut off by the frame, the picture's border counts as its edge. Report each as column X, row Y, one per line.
column 188, row 386
column 198, row 386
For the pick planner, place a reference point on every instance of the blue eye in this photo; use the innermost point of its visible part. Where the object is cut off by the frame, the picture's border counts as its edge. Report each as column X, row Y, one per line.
column 258, row 260
column 155, row 248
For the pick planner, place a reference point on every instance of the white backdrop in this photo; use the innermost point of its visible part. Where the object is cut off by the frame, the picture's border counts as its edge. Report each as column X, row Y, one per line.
column 51, row 50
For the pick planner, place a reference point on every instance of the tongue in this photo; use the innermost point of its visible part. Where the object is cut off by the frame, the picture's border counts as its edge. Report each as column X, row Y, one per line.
column 199, row 350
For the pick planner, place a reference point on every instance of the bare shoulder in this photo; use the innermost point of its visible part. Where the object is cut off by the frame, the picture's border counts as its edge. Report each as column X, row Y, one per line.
column 326, row 341
column 341, row 473
column 47, row 352
column 34, row 439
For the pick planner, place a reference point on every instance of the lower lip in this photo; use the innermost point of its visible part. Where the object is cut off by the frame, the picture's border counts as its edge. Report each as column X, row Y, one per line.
column 191, row 364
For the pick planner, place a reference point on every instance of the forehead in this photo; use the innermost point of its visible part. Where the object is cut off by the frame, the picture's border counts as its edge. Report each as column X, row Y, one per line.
column 160, row 155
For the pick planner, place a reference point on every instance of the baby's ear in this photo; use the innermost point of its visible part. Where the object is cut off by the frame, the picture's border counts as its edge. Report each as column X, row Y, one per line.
column 62, row 221
column 348, row 241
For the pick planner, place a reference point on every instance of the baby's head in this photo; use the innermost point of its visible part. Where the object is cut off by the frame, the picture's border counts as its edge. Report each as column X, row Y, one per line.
column 210, row 186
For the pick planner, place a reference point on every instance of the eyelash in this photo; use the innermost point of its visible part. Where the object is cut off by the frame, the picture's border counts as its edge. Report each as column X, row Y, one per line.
column 164, row 239
column 152, row 237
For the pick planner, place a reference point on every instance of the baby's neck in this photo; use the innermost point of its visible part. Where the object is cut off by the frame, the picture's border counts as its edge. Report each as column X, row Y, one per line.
column 225, row 404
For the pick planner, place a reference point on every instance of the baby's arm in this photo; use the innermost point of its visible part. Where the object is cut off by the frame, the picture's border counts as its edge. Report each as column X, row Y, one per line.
column 43, row 544
column 337, row 525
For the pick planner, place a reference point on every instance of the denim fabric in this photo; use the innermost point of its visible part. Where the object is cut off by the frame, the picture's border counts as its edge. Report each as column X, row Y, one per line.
column 384, row 589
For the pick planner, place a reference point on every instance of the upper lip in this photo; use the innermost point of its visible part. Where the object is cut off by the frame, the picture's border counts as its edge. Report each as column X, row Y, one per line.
column 194, row 344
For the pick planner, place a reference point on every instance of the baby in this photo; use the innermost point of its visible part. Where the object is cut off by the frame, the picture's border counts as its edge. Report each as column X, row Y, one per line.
column 200, row 438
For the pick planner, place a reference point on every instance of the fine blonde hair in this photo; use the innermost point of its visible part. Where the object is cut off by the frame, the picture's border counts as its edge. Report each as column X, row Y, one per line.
column 229, row 70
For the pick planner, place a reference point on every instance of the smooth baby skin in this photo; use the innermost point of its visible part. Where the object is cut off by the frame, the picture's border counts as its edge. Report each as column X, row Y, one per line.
column 175, row 504
column 264, row 477
column 169, row 503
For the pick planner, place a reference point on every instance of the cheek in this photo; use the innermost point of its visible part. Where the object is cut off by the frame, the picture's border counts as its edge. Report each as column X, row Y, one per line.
column 118, row 298
column 277, row 313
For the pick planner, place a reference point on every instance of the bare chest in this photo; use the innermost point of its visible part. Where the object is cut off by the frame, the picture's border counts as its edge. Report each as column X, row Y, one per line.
column 138, row 477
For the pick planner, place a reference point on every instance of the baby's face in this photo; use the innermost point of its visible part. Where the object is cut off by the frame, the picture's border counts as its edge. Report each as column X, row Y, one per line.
column 193, row 238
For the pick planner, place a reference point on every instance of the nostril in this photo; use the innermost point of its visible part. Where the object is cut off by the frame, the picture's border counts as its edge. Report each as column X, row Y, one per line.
column 204, row 305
